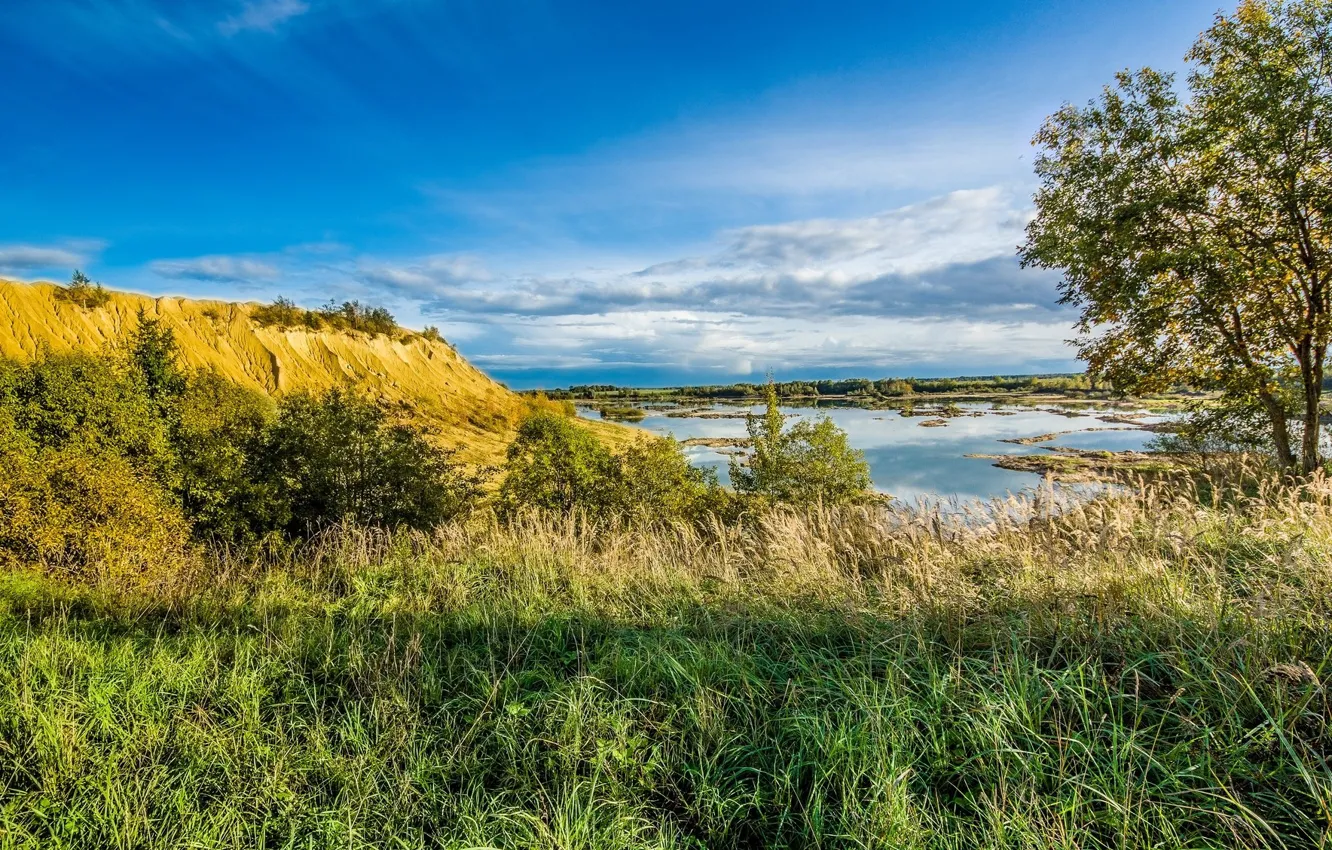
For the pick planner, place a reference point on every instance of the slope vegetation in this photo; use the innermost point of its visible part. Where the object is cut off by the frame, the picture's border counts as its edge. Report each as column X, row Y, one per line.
column 426, row 380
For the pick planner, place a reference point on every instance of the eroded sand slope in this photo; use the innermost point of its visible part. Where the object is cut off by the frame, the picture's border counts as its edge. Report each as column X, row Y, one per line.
column 427, row 380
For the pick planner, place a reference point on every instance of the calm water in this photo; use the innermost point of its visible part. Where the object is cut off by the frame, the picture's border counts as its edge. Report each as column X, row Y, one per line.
column 911, row 462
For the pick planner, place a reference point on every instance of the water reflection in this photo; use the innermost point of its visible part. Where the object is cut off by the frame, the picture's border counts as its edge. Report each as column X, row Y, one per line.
column 912, row 462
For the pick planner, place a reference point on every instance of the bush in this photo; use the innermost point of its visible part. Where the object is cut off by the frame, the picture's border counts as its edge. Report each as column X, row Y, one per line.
column 338, row 458
column 155, row 357
column 218, row 436
column 554, row 465
column 657, row 481
column 283, row 313
column 347, row 316
column 622, row 413
column 94, row 405
column 88, row 518
column 82, row 291
column 813, row 461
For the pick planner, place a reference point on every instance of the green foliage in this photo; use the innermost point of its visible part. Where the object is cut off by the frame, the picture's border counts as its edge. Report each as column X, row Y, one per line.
column 284, row 313
column 554, row 465
column 813, row 461
column 219, row 435
column 894, row 387
column 622, row 413
column 353, row 315
column 154, row 355
column 851, row 388
column 347, row 316
column 338, row 458
column 1147, row 673
column 89, row 518
column 657, row 481
column 202, row 451
column 82, row 291
column 90, row 404
column 432, row 334
column 1193, row 233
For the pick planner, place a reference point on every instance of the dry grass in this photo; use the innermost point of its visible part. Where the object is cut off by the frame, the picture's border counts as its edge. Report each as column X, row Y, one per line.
column 1142, row 670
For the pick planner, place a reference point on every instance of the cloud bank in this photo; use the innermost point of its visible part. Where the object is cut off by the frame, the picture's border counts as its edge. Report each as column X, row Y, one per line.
column 916, row 287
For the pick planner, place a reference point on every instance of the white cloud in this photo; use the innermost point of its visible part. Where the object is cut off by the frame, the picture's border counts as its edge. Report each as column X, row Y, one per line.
column 930, row 283
column 218, row 268
column 952, row 255
column 16, row 259
column 427, row 278
column 732, row 169
column 262, row 15
column 726, row 345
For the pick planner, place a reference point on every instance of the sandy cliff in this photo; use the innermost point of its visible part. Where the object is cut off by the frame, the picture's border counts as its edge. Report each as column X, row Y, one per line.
column 424, row 379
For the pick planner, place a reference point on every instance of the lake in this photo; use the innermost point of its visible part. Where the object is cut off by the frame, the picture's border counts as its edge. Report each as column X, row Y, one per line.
column 914, row 463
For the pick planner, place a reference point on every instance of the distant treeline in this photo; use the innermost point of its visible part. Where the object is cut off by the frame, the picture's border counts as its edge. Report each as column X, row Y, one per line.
column 847, row 387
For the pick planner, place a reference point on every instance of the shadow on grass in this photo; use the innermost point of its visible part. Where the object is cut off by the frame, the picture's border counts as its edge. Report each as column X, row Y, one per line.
column 717, row 725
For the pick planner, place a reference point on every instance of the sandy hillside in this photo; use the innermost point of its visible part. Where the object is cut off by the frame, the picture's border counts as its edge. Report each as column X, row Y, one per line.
column 427, row 380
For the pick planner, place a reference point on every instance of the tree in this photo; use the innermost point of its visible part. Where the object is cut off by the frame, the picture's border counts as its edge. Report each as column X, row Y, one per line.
column 658, row 481
column 813, row 461
column 1194, row 235
column 91, row 404
column 554, row 465
column 154, row 355
column 337, row 457
column 82, row 291
column 218, row 435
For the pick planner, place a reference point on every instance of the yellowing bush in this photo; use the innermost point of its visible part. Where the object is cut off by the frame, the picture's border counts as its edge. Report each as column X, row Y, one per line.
column 89, row 519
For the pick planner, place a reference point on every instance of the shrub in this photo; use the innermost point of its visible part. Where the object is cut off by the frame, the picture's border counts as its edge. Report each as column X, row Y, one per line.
column 154, row 356
column 432, row 334
column 622, row 413
column 218, row 437
column 657, row 481
column 347, row 316
column 813, row 461
column 554, row 465
column 283, row 313
column 95, row 405
column 82, row 291
column 88, row 518
column 338, row 458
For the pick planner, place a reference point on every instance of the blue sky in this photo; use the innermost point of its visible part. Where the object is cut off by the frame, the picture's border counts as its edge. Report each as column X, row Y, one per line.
column 573, row 191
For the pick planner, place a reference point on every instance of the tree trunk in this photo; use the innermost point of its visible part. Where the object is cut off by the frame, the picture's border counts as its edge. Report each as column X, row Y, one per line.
column 1280, row 432
column 1311, row 371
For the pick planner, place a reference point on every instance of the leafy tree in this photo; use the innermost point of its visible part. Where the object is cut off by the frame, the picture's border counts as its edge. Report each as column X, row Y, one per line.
column 82, row 291
column 1194, row 234
column 283, row 313
column 91, row 404
column 812, row 461
column 87, row 517
column 658, row 481
column 218, row 437
column 338, row 457
column 554, row 465
column 154, row 354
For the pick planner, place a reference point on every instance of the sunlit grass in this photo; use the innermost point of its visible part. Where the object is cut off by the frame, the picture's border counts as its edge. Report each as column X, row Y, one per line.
column 1135, row 672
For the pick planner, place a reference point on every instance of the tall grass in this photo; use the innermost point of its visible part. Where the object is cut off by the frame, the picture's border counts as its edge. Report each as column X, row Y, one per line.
column 1144, row 670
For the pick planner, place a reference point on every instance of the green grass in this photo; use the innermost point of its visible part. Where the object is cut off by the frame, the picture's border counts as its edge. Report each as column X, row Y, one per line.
column 839, row 679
